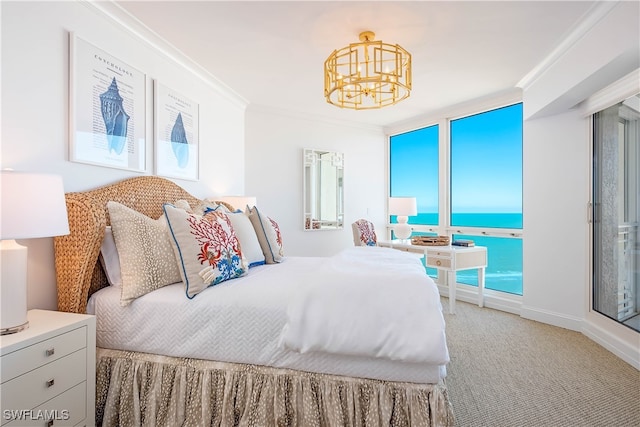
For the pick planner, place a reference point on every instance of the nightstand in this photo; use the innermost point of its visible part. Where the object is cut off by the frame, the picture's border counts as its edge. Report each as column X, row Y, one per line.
column 48, row 371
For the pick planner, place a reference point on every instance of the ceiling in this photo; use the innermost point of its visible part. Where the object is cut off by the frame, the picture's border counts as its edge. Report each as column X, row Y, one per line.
column 272, row 53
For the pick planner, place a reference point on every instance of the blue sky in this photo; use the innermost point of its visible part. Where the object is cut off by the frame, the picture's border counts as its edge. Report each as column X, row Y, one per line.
column 486, row 163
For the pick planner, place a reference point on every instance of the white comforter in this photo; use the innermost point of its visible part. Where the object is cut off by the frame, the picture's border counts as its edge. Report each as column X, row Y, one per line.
column 369, row 301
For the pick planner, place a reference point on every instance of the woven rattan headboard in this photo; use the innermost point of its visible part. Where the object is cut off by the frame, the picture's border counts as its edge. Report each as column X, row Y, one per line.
column 78, row 271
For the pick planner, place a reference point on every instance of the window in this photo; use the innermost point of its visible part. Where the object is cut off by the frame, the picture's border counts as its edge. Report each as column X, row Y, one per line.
column 414, row 171
column 484, row 173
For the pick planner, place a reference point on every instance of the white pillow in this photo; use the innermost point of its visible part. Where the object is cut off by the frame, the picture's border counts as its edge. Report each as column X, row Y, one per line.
column 246, row 234
column 206, row 248
column 109, row 258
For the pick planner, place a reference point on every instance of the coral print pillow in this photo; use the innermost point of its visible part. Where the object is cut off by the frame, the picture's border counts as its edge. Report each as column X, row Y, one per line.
column 269, row 236
column 206, row 248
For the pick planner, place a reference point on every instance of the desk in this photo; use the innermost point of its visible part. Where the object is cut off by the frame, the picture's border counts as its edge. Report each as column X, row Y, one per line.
column 449, row 259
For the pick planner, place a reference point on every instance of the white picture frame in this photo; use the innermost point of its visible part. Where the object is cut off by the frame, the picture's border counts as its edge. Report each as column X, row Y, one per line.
column 107, row 109
column 176, row 134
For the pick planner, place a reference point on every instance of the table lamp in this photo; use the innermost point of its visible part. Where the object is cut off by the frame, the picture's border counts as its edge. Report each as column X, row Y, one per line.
column 238, row 202
column 32, row 206
column 402, row 207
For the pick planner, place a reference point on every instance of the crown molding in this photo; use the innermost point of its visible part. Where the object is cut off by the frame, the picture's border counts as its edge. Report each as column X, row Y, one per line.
column 591, row 18
column 622, row 89
column 474, row 106
column 134, row 26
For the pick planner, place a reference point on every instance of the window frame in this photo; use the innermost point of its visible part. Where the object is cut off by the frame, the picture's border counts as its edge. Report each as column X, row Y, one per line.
column 444, row 228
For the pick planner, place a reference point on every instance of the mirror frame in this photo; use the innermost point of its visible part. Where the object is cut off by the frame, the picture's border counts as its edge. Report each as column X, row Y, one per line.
column 312, row 190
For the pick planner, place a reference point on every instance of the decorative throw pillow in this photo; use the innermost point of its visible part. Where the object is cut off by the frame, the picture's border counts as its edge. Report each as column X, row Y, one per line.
column 268, row 234
column 144, row 248
column 207, row 205
column 206, row 248
column 109, row 258
column 246, row 234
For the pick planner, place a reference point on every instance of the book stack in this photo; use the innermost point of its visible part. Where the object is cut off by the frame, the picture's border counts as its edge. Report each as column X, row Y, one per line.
column 463, row 242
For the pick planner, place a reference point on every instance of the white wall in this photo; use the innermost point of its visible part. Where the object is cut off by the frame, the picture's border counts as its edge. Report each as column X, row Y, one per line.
column 35, row 66
column 556, row 265
column 556, row 235
column 274, row 144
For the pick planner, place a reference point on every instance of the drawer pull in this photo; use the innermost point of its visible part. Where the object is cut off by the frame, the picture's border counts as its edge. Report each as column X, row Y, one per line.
column 50, row 382
column 49, row 423
column 50, row 351
column 438, row 262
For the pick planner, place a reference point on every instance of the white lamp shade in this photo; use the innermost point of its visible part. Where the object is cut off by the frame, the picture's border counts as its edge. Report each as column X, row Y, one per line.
column 403, row 206
column 238, row 202
column 32, row 206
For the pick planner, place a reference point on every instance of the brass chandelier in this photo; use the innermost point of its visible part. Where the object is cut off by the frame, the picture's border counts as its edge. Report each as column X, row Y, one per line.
column 367, row 75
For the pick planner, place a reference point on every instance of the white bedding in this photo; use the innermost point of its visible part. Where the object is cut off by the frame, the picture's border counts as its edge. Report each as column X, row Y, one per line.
column 240, row 321
column 369, row 301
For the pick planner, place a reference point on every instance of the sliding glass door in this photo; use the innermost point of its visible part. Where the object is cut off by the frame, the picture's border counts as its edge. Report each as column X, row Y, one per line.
column 616, row 212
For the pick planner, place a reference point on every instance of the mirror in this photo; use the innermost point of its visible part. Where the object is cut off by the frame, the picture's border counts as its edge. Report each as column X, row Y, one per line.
column 323, row 197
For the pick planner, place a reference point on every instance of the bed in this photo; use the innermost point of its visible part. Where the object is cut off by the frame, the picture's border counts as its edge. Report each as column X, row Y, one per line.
column 170, row 360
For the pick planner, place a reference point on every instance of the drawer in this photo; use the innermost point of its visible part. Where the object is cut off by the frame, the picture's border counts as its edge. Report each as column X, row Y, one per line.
column 438, row 262
column 42, row 384
column 439, row 254
column 66, row 409
column 29, row 358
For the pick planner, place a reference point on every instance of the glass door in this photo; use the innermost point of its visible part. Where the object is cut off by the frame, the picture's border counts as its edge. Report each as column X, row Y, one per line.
column 616, row 208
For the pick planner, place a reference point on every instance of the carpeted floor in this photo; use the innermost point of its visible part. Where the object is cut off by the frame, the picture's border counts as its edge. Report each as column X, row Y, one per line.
column 506, row 371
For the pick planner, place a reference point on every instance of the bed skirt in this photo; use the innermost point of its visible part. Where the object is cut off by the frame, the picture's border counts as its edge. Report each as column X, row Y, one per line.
column 138, row 389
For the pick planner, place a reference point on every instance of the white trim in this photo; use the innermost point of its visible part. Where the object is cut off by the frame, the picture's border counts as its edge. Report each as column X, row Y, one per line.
column 591, row 18
column 622, row 89
column 124, row 19
column 475, row 106
column 552, row 318
column 492, row 299
column 624, row 349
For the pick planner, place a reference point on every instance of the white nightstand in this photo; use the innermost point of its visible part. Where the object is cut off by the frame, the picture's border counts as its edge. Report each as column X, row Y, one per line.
column 48, row 371
column 449, row 259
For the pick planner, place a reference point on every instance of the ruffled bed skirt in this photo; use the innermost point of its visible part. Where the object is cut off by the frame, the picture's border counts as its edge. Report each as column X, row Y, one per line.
column 138, row 389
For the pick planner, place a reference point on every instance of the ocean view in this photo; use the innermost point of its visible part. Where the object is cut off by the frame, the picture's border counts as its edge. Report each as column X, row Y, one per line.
column 504, row 269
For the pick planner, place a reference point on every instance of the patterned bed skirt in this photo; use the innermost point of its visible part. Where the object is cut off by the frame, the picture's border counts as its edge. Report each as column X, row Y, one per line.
column 138, row 389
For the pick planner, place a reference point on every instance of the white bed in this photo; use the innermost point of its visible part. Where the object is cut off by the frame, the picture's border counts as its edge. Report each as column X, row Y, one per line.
column 239, row 353
column 243, row 317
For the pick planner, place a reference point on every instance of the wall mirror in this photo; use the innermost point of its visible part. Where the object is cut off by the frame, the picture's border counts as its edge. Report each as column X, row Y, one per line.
column 323, row 196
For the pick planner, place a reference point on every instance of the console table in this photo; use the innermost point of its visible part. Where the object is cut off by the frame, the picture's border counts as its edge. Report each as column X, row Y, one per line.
column 449, row 259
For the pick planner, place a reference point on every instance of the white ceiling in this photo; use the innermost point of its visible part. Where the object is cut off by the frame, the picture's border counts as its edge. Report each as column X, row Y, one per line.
column 272, row 53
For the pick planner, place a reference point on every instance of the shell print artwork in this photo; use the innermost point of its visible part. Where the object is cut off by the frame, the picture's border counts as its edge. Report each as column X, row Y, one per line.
column 179, row 142
column 115, row 118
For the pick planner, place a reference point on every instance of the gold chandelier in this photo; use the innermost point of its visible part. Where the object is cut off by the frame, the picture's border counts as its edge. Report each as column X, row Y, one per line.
column 367, row 75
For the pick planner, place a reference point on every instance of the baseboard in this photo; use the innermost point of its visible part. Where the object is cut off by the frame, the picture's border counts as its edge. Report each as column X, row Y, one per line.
column 624, row 350
column 492, row 299
column 552, row 318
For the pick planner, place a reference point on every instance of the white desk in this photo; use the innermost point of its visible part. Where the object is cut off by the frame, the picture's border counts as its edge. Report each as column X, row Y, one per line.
column 449, row 259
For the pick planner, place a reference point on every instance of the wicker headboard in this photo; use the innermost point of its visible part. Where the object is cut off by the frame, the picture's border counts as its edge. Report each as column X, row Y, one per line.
column 78, row 271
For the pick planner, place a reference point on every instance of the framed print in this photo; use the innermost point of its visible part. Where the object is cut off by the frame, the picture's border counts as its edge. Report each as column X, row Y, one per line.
column 176, row 134
column 107, row 109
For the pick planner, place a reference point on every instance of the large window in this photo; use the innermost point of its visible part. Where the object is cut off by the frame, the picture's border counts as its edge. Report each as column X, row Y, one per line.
column 413, row 165
column 483, row 171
